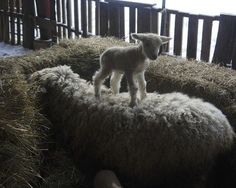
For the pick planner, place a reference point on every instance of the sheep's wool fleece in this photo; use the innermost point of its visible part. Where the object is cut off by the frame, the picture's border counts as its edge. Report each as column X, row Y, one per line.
column 164, row 136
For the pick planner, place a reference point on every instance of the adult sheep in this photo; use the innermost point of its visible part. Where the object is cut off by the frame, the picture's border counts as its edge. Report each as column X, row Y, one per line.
column 167, row 138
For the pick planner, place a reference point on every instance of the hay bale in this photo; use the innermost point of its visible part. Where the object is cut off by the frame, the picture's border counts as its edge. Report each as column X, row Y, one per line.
column 168, row 137
column 167, row 74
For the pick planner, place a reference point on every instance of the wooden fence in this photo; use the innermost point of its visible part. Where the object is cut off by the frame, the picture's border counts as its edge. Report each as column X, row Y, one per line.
column 19, row 24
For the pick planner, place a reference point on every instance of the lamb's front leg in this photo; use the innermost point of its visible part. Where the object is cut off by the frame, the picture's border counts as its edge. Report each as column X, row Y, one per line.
column 132, row 88
column 115, row 82
column 142, row 85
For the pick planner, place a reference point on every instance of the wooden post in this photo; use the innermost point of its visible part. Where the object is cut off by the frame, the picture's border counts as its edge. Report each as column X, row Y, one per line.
column 122, row 22
column 116, row 20
column 5, row 22
column 165, row 29
column 76, row 4
column 178, row 38
column 28, row 23
column 12, row 10
column 97, row 17
column 18, row 10
column 44, row 11
column 234, row 56
column 84, row 23
column 154, row 21
column 53, row 30
column 103, row 19
column 206, row 39
column 132, row 21
column 69, row 18
column 1, row 22
column 144, row 20
column 64, row 17
column 59, row 18
column 192, row 37
column 225, row 40
column 90, row 16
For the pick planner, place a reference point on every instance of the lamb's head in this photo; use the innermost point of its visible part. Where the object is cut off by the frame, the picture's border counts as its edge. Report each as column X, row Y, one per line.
column 151, row 43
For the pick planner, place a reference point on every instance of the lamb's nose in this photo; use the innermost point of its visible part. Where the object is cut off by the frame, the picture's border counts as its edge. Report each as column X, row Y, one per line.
column 154, row 57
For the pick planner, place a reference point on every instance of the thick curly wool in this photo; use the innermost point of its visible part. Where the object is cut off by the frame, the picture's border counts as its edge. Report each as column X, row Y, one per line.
column 167, row 136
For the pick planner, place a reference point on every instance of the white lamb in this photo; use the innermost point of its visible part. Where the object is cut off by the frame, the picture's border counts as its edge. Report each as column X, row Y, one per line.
column 131, row 61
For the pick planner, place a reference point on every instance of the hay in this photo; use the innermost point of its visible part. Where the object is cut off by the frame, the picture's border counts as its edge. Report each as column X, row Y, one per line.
column 167, row 74
column 169, row 136
column 19, row 138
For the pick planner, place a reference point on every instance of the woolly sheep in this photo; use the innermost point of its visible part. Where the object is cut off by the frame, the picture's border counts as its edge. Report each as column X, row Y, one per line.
column 106, row 179
column 165, row 139
column 131, row 61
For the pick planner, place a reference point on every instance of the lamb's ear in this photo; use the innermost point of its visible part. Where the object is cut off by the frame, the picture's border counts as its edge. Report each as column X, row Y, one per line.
column 165, row 39
column 136, row 36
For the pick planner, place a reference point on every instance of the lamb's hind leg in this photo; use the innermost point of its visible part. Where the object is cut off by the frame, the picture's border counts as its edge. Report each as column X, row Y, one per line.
column 142, row 85
column 115, row 82
column 132, row 88
column 98, row 80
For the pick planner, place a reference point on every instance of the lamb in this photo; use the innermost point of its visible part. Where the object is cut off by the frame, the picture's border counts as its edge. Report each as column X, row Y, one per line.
column 131, row 61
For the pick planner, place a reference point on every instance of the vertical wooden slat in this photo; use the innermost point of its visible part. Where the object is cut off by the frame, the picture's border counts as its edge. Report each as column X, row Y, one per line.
column 53, row 18
column 18, row 10
column 76, row 4
column 163, row 22
column 103, row 19
column 84, row 23
column 116, row 19
column 69, row 17
column 192, row 37
column 113, row 20
column 206, row 39
column 64, row 17
column 28, row 23
column 132, row 21
column 224, row 44
column 234, row 56
column 5, row 22
column 1, row 22
column 90, row 16
column 59, row 18
column 12, row 7
column 97, row 17
column 154, row 21
column 122, row 22
column 178, row 36
column 165, row 30
column 144, row 18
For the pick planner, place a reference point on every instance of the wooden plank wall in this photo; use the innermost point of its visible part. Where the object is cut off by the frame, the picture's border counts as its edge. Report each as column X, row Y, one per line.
column 77, row 18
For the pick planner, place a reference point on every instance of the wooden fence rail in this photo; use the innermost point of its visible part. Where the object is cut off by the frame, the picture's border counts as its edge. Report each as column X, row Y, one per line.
column 20, row 22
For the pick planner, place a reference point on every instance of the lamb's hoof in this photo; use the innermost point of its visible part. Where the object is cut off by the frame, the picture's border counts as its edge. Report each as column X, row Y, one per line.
column 98, row 97
column 133, row 104
column 144, row 96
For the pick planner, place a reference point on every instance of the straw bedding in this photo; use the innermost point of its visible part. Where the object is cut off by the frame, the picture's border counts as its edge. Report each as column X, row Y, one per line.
column 22, row 124
column 19, row 138
column 168, row 135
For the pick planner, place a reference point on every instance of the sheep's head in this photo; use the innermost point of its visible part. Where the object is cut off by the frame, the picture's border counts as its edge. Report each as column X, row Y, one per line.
column 151, row 43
